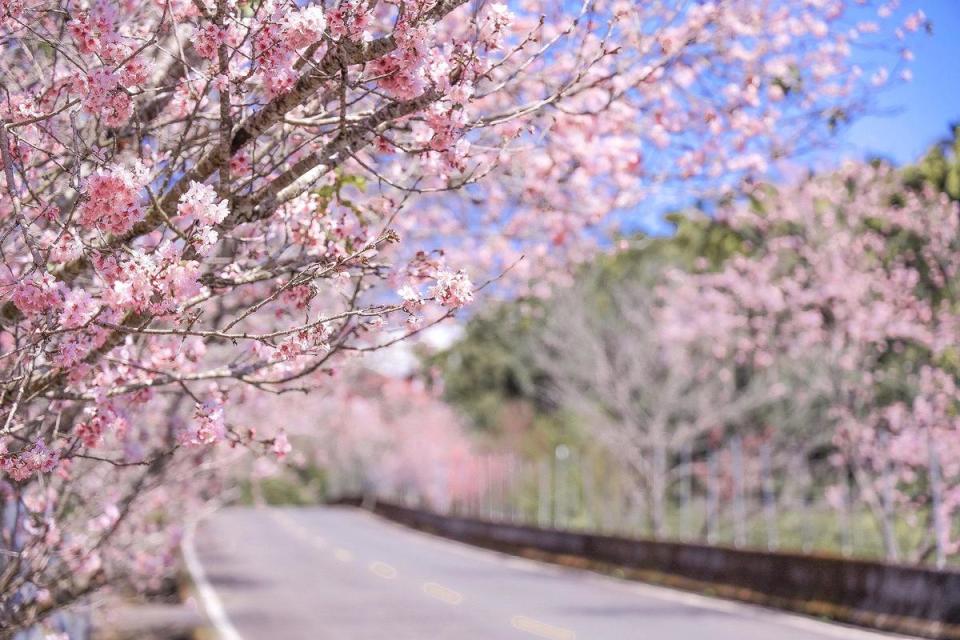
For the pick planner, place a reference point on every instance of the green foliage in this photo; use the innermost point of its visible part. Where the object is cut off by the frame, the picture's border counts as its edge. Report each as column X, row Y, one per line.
column 489, row 367
column 698, row 238
column 939, row 168
column 294, row 485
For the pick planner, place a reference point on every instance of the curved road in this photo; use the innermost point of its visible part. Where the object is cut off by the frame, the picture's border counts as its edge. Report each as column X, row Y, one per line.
column 341, row 573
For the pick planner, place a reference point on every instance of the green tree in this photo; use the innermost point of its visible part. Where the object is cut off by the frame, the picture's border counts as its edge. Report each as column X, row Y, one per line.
column 939, row 168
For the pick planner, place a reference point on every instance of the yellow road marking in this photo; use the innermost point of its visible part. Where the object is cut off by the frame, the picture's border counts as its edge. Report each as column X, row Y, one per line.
column 383, row 570
column 541, row 629
column 342, row 555
column 290, row 525
column 442, row 593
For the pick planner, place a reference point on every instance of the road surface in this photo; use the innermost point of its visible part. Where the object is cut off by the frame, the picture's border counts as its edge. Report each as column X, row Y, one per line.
column 345, row 574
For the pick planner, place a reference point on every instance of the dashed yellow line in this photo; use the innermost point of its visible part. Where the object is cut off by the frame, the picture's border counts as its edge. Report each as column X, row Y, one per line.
column 290, row 525
column 541, row 629
column 432, row 589
column 442, row 593
column 383, row 570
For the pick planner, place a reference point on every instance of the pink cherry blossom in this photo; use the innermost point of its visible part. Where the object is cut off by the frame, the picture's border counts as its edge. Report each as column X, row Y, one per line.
column 200, row 203
column 78, row 308
column 36, row 294
column 452, row 289
column 281, row 446
column 207, row 426
column 22, row 466
column 112, row 200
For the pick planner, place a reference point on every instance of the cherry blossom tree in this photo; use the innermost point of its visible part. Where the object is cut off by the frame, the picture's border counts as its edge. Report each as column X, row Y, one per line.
column 383, row 436
column 205, row 198
column 658, row 398
column 857, row 273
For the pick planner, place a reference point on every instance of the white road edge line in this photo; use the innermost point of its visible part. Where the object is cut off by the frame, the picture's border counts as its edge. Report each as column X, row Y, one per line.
column 208, row 597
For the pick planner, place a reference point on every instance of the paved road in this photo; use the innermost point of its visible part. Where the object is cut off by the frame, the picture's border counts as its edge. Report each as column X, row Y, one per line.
column 344, row 574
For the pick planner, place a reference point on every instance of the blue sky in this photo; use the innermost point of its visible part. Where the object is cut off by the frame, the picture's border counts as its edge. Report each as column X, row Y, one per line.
column 910, row 117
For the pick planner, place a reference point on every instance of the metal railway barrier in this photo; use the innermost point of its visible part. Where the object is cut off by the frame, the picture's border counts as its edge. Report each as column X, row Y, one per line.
column 905, row 599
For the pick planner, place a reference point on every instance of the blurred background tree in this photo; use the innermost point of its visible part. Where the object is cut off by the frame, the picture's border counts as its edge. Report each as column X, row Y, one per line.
column 588, row 367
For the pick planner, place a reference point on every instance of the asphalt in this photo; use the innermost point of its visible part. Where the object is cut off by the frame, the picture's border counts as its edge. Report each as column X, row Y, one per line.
column 339, row 573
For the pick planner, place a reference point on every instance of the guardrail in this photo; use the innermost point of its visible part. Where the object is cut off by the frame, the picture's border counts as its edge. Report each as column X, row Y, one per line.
column 905, row 599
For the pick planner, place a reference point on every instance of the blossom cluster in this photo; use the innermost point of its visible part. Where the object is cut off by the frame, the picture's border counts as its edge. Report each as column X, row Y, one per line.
column 23, row 465
column 453, row 289
column 111, row 200
column 199, row 204
column 207, row 426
